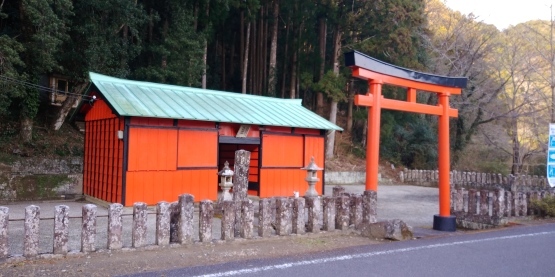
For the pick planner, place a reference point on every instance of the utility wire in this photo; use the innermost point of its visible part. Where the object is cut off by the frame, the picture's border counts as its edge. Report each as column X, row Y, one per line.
column 39, row 87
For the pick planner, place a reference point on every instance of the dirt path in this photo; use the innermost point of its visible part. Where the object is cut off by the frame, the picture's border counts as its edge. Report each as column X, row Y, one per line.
column 106, row 263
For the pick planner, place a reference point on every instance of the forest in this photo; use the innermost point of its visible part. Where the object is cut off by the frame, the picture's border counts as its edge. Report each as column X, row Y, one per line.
column 294, row 49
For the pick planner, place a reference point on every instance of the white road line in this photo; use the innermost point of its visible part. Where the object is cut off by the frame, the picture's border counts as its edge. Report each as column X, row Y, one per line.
column 364, row 255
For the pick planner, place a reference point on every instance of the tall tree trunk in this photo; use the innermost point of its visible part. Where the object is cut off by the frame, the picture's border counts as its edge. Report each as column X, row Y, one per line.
column 259, row 55
column 293, row 83
column 61, row 114
column 272, row 74
column 286, row 56
column 242, row 42
column 517, row 161
column 203, row 81
column 322, row 32
column 246, row 60
column 204, row 56
column 364, row 132
column 232, row 60
column 333, row 105
column 252, row 65
column 264, row 81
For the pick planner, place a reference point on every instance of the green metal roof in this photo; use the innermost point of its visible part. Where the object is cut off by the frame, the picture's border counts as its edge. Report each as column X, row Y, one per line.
column 144, row 99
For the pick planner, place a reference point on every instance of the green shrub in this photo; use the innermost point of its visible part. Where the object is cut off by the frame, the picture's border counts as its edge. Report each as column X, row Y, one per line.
column 545, row 206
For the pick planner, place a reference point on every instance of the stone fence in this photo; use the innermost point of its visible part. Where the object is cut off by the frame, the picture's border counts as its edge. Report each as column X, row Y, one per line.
column 184, row 222
column 483, row 209
column 475, row 180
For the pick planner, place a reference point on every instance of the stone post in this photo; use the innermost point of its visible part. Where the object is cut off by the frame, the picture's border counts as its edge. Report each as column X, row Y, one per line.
column 174, row 222
column 163, row 212
column 206, row 217
column 240, row 184
column 472, row 201
column 355, row 211
column 247, row 220
column 138, row 234
column 369, row 206
column 342, row 212
column 499, row 203
column 115, row 226
column 32, row 220
column 465, row 202
column 517, row 198
column 228, row 220
column 523, row 204
column 458, row 203
column 484, row 202
column 298, row 216
column 283, row 216
column 314, row 212
column 61, row 229
column 185, row 229
column 329, row 213
column 88, row 232
column 4, row 219
column 509, row 201
column 337, row 191
column 264, row 217
column 241, row 178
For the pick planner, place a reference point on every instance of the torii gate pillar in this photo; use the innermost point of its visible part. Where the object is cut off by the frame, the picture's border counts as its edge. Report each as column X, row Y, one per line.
column 378, row 73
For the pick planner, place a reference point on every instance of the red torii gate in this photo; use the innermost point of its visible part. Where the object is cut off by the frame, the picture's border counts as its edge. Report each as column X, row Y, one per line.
column 378, row 73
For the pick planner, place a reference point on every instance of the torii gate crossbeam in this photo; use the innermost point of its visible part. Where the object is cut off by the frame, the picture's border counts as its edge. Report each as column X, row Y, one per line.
column 378, row 73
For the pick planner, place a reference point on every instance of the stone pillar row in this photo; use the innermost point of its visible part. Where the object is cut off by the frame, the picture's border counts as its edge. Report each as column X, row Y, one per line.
column 497, row 203
column 174, row 221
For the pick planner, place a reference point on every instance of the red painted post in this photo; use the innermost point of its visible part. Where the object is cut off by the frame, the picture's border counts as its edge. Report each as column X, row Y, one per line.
column 444, row 159
column 373, row 136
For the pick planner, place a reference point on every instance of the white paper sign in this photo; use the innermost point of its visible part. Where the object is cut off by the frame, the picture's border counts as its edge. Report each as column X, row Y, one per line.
column 243, row 131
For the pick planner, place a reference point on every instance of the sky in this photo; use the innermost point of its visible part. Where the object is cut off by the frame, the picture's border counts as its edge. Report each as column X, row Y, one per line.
column 503, row 13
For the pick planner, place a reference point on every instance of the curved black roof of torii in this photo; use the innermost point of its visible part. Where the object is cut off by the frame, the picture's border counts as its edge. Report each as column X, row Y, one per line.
column 355, row 58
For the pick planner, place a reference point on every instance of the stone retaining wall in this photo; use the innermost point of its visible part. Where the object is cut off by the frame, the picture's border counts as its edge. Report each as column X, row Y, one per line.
column 40, row 179
column 484, row 209
column 475, row 180
column 180, row 222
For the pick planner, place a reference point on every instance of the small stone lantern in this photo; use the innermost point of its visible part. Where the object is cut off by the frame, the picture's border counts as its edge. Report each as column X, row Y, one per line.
column 311, row 177
column 226, row 182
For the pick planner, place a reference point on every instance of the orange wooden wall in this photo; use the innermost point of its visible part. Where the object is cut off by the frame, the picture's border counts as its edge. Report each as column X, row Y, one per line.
column 103, row 167
column 283, row 156
column 165, row 161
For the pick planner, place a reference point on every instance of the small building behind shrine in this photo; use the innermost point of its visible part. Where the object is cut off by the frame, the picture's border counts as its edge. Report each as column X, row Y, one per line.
column 151, row 142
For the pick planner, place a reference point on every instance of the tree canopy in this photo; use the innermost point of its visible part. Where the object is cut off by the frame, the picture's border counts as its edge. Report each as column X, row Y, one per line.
column 293, row 49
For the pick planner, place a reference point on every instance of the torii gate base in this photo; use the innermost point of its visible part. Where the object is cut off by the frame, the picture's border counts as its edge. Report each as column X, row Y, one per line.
column 378, row 73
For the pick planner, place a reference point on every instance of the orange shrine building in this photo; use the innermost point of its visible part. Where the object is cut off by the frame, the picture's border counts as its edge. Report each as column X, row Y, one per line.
column 149, row 142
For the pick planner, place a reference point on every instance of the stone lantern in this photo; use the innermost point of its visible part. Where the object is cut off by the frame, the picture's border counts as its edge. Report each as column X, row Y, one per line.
column 226, row 182
column 311, row 177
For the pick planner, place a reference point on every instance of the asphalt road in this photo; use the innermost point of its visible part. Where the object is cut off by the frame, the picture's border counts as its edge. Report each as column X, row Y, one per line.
column 517, row 251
